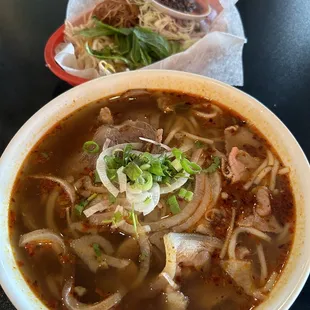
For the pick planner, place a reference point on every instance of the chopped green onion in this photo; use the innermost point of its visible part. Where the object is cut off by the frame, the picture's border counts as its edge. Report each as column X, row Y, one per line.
column 79, row 208
column 147, row 200
column 134, row 219
column 91, row 147
column 133, row 171
column 112, row 199
column 156, row 168
column 126, row 153
column 214, row 166
column 157, row 178
column 177, row 165
column 190, row 167
column 189, row 196
column 96, row 177
column 182, row 193
column 173, row 204
column 112, row 174
column 111, row 162
column 116, row 218
column 145, row 167
column 144, row 182
column 146, row 157
column 97, row 250
column 177, row 153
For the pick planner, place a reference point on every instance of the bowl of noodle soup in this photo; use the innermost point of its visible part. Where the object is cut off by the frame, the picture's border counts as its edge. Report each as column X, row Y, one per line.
column 239, row 205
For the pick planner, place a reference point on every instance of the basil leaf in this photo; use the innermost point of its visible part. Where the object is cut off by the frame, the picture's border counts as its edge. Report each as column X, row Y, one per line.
column 104, row 54
column 113, row 30
column 123, row 44
column 135, row 55
column 158, row 44
column 175, row 47
column 95, row 32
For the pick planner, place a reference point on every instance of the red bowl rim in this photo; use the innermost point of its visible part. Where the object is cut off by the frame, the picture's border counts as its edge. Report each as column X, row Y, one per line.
column 49, row 53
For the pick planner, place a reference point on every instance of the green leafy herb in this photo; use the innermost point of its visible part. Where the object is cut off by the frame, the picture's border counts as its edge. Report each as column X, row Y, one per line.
column 79, row 208
column 97, row 250
column 156, row 168
column 112, row 199
column 134, row 219
column 133, row 171
column 199, row 144
column 173, row 204
column 216, row 164
column 116, row 218
column 159, row 46
column 96, row 177
column 91, row 147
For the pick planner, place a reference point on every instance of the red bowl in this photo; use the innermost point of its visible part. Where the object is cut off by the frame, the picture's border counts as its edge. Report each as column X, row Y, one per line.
column 49, row 53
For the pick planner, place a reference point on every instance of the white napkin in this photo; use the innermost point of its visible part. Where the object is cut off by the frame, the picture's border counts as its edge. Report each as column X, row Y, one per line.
column 218, row 54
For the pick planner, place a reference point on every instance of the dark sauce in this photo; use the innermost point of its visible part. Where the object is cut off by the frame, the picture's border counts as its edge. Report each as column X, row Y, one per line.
column 196, row 7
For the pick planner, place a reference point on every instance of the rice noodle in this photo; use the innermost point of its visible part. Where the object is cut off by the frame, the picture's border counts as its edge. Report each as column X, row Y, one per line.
column 204, row 115
column 66, row 186
column 196, row 155
column 239, row 230
column 193, row 120
column 69, row 223
column 187, row 124
column 270, row 283
column 73, row 304
column 50, row 210
column 263, row 264
column 270, row 158
column 273, row 175
column 197, row 138
column 282, row 238
column 283, row 171
column 186, row 212
column 255, row 174
column 229, row 233
column 261, row 175
column 164, row 146
column 44, row 236
column 212, row 191
column 172, row 134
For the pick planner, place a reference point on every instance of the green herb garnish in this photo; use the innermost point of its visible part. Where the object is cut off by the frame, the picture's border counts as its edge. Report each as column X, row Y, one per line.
column 96, row 177
column 216, row 164
column 112, row 199
column 134, row 219
column 199, row 144
column 182, row 193
column 97, row 250
column 117, row 217
column 173, row 204
column 79, row 208
column 91, row 147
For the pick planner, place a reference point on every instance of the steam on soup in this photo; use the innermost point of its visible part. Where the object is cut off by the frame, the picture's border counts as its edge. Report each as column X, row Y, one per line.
column 152, row 200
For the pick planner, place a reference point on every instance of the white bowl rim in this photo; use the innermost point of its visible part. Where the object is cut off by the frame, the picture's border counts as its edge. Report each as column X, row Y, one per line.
column 286, row 291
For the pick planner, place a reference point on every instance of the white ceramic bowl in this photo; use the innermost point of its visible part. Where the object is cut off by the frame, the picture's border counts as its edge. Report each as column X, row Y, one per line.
column 178, row 14
column 297, row 268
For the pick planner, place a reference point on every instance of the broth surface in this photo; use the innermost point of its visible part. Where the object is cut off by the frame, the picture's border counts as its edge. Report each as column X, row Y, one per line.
column 244, row 232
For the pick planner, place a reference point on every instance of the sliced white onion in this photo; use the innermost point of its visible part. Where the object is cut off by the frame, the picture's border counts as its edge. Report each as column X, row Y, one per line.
column 106, row 144
column 66, row 186
column 164, row 146
column 73, row 304
column 148, row 207
column 165, row 189
column 102, row 167
column 98, row 207
column 122, row 180
column 44, row 236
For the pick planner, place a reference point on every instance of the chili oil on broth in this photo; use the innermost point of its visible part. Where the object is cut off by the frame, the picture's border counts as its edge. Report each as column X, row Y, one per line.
column 60, row 153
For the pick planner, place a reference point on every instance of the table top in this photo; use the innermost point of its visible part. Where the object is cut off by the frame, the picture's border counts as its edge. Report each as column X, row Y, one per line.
column 276, row 67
